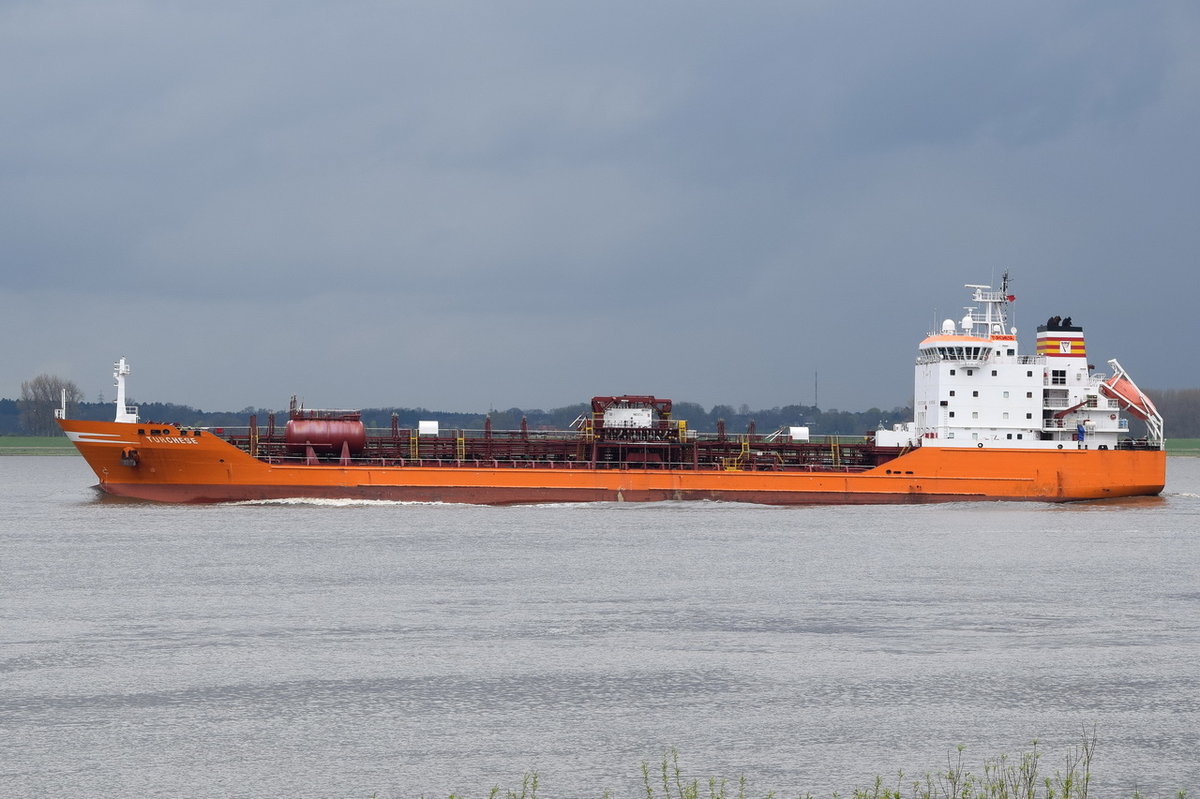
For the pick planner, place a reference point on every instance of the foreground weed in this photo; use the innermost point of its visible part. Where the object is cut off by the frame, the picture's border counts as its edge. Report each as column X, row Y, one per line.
column 1006, row 778
column 1003, row 777
column 675, row 786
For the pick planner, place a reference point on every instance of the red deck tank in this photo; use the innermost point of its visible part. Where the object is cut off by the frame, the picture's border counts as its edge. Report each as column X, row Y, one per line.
column 325, row 435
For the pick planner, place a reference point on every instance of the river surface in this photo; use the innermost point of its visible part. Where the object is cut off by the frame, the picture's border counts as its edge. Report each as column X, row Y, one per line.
column 323, row 649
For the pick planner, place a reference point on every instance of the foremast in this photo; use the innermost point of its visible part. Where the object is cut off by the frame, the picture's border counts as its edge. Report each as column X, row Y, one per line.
column 125, row 412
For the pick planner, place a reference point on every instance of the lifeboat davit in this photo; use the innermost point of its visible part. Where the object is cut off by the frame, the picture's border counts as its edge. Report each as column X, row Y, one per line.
column 1120, row 388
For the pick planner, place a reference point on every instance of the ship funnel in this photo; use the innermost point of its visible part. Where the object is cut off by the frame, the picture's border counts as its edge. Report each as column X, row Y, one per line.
column 1058, row 338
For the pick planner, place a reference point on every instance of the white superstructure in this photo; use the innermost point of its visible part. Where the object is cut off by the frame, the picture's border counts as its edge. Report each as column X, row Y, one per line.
column 974, row 388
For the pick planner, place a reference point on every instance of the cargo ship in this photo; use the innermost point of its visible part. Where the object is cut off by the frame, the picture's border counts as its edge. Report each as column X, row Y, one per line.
column 989, row 423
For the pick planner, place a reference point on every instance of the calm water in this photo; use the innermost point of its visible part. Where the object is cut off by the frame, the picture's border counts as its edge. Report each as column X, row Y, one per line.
column 316, row 650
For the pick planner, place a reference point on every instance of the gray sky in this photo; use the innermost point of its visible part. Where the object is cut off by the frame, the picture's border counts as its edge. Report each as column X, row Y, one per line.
column 465, row 205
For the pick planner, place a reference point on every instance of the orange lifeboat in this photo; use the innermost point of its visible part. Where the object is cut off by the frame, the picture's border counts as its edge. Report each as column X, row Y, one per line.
column 1120, row 388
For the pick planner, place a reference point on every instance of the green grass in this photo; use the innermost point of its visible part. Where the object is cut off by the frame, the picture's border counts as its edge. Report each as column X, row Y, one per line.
column 1183, row 446
column 36, row 445
column 1002, row 777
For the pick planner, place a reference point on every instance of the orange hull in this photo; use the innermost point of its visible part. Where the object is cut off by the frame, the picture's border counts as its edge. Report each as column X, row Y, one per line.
column 205, row 468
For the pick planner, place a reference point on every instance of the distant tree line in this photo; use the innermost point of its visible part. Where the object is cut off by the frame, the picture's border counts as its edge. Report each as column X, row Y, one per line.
column 33, row 414
column 1180, row 409
column 17, row 417
column 831, row 422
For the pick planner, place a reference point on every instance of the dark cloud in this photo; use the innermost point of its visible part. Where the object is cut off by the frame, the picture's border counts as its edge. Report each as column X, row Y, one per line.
column 464, row 204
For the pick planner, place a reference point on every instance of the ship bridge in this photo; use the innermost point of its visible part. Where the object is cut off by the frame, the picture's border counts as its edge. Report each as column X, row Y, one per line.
column 950, row 347
column 973, row 388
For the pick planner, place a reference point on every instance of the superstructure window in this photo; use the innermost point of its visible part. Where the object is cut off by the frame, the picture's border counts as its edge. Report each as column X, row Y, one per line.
column 962, row 353
column 1058, row 377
